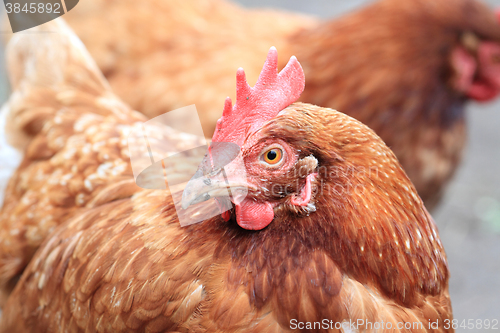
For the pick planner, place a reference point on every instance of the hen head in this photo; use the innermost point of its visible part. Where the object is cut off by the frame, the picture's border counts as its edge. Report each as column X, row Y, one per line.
column 319, row 177
column 295, row 159
column 477, row 67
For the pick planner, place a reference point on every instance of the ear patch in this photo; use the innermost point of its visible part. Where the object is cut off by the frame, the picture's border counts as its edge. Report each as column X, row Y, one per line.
column 465, row 67
column 304, row 197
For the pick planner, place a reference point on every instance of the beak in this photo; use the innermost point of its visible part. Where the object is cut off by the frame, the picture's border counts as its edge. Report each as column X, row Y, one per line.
column 228, row 181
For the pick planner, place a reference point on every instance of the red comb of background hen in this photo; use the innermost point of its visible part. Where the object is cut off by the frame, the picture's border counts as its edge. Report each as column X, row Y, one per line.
column 497, row 11
column 254, row 106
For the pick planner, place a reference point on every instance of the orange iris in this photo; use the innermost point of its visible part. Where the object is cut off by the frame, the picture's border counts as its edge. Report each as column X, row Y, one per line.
column 273, row 156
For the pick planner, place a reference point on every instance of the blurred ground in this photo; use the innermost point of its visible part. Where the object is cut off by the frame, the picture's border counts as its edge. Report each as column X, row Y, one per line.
column 469, row 217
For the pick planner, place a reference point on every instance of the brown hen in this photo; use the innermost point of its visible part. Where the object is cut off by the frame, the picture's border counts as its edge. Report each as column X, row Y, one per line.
column 330, row 228
column 404, row 68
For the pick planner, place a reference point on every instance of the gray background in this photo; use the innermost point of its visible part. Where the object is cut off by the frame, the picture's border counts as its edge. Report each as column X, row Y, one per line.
column 469, row 217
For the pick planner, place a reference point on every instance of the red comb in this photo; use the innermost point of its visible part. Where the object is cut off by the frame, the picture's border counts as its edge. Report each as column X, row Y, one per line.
column 254, row 106
column 497, row 12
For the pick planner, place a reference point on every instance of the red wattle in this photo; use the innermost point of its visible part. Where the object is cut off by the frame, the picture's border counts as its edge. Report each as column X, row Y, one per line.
column 253, row 215
column 482, row 91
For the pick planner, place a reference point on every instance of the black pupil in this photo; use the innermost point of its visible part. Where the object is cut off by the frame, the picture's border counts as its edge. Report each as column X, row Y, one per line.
column 271, row 155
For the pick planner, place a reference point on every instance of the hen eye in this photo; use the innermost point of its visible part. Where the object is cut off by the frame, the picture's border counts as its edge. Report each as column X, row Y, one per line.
column 273, row 156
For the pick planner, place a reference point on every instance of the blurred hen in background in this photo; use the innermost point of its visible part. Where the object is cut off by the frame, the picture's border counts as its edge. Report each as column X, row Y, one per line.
column 404, row 68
